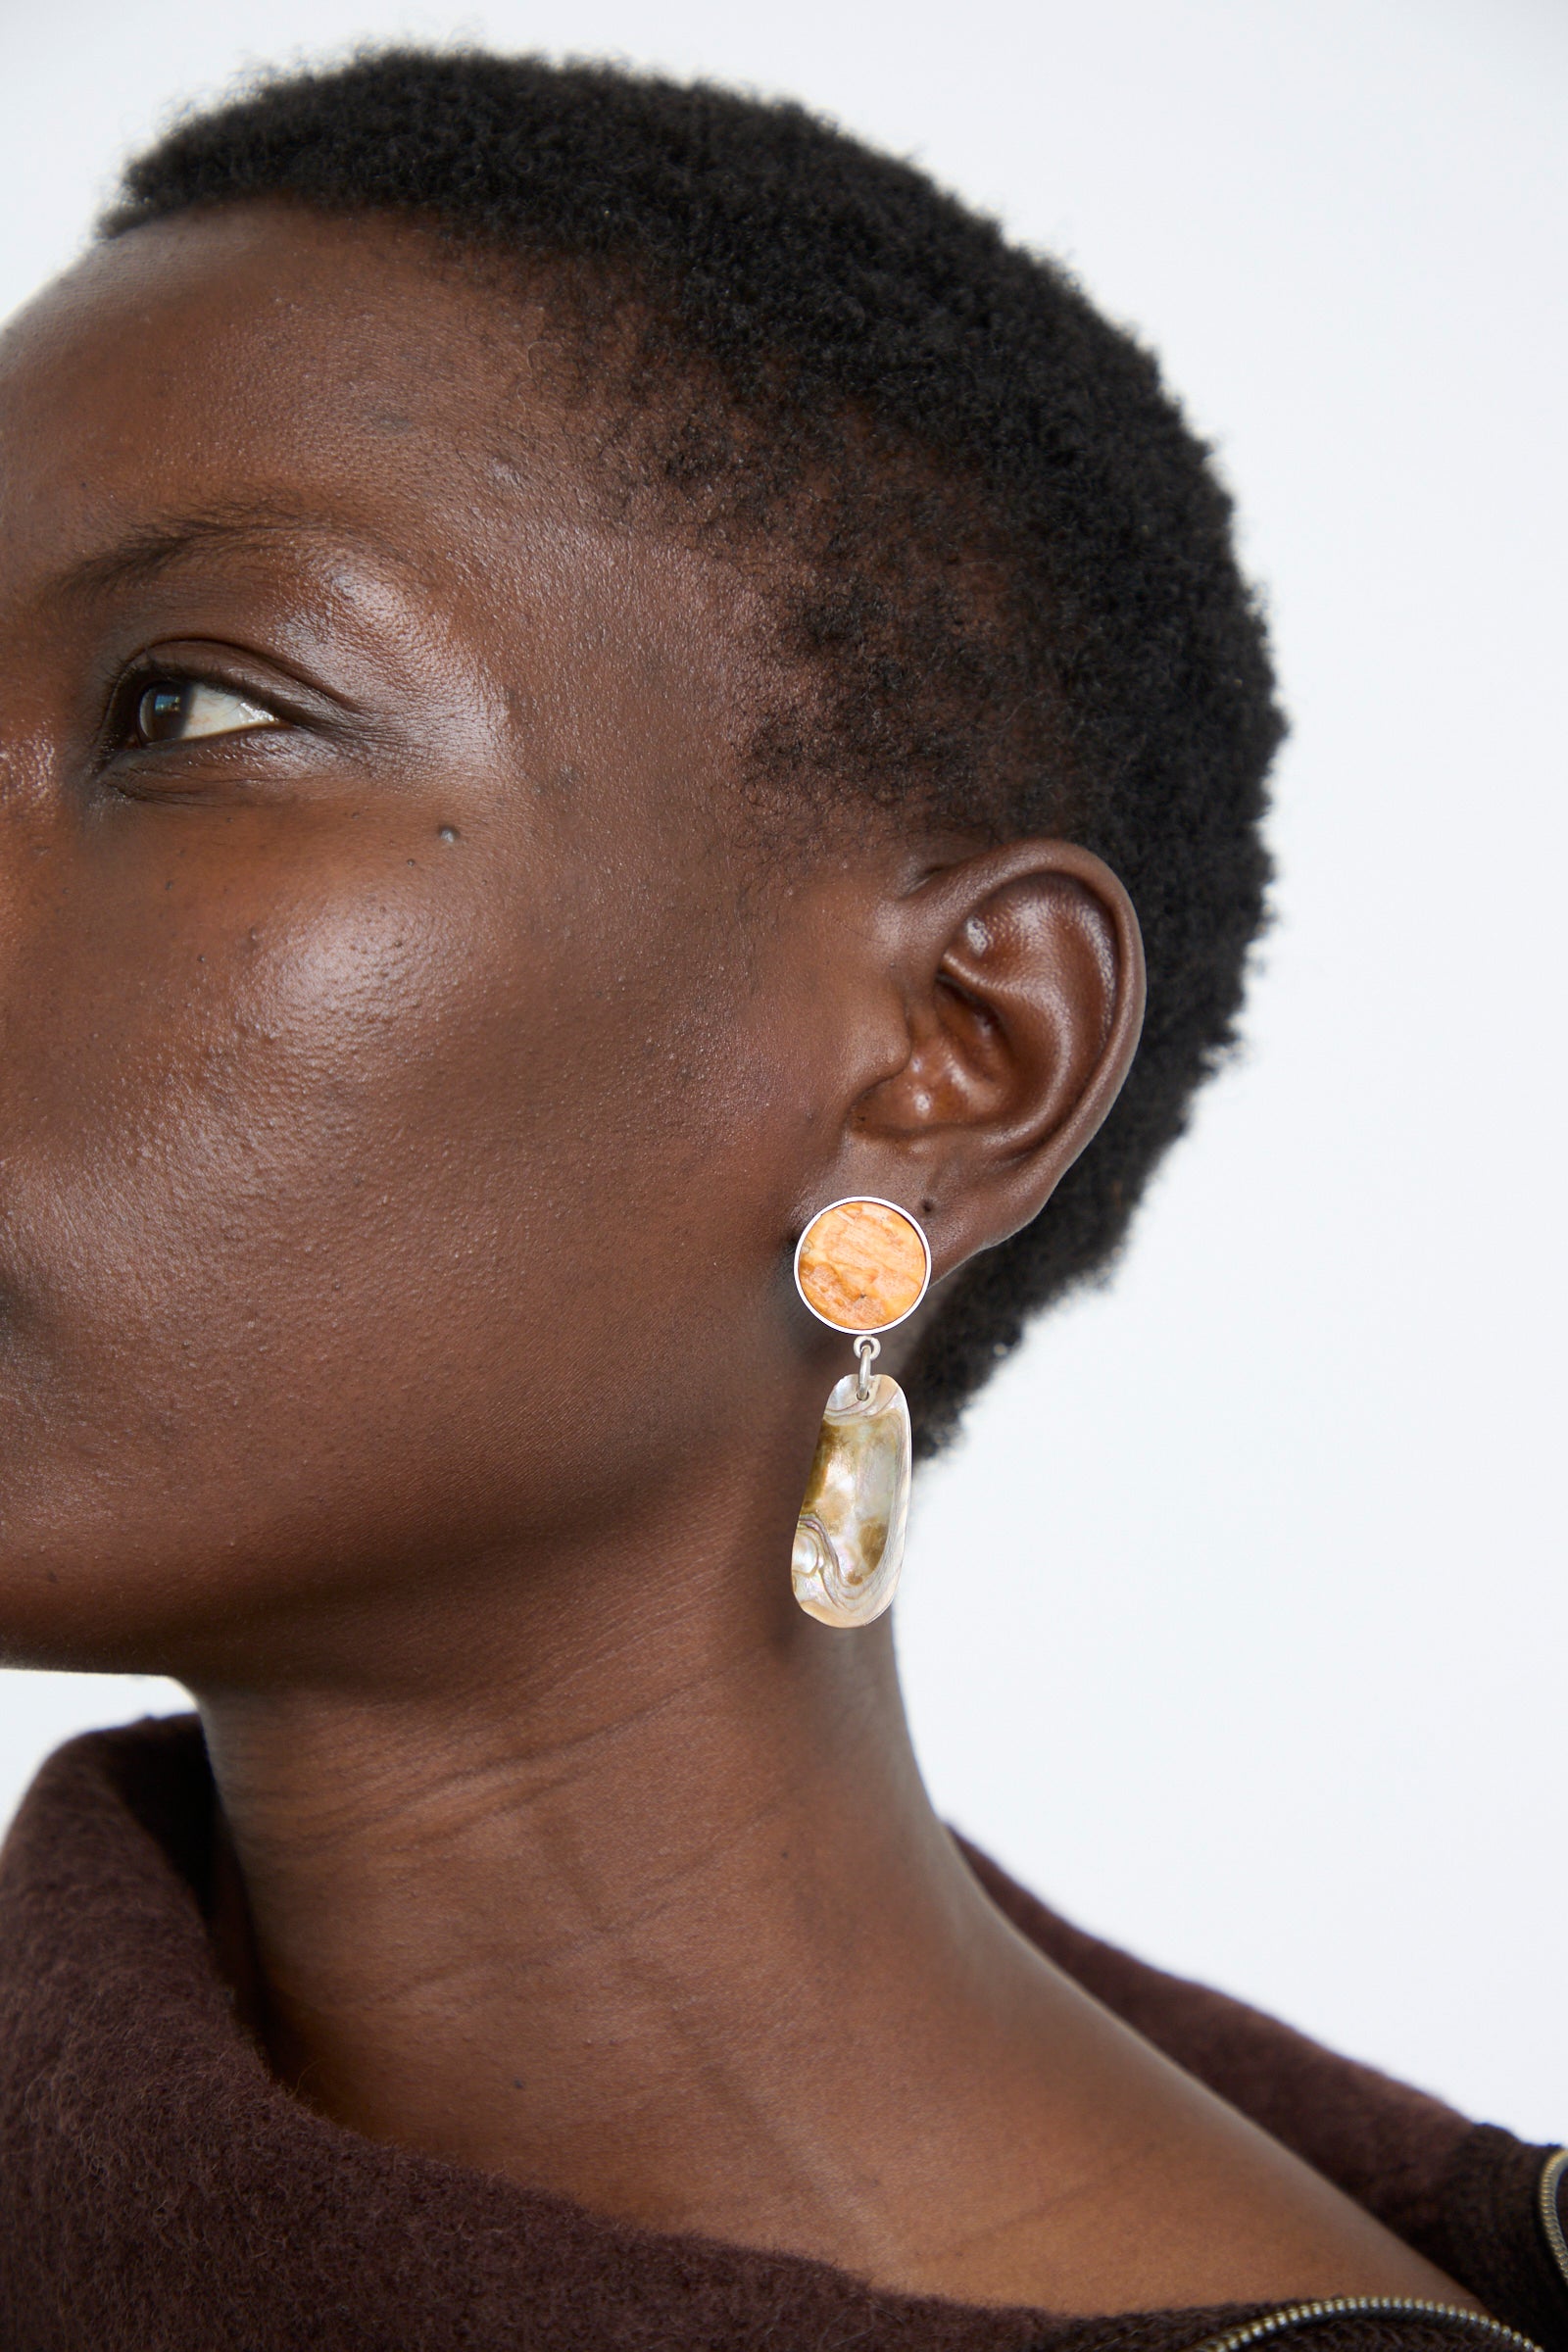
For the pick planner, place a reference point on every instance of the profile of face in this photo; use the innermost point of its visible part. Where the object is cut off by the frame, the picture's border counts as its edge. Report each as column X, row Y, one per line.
column 427, row 1031
column 419, row 1057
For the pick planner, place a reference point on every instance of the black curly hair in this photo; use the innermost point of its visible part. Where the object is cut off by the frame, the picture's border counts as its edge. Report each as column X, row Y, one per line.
column 1004, row 561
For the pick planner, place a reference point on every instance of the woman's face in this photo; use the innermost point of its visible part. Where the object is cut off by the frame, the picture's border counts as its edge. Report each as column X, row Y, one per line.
column 409, row 1063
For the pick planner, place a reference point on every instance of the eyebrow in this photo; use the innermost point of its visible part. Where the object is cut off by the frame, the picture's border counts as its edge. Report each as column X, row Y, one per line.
column 142, row 555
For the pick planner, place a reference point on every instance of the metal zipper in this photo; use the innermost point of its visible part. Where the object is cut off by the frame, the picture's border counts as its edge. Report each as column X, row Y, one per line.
column 1549, row 2210
column 1334, row 2307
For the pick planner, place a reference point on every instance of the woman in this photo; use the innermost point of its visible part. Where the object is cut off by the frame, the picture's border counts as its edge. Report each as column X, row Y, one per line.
column 592, row 671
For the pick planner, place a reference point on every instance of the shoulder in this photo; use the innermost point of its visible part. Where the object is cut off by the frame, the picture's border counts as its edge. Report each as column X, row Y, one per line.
column 1484, row 2206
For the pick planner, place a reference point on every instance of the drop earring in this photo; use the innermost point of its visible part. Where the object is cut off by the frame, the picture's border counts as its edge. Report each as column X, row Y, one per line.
column 862, row 1266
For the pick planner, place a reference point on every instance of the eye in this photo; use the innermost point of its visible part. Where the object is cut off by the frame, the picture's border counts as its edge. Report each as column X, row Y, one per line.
column 180, row 709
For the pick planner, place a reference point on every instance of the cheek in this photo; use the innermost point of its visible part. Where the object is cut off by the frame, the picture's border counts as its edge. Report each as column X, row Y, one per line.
column 302, row 1248
column 354, row 1221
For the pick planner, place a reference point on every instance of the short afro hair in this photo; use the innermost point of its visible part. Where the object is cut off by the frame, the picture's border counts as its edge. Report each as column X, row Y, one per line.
column 1010, row 571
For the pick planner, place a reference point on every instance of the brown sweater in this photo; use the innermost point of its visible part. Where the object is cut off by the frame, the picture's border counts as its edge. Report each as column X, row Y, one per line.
column 161, row 2193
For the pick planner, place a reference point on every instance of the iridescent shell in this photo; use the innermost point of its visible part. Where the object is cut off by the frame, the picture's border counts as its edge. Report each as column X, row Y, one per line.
column 849, row 1538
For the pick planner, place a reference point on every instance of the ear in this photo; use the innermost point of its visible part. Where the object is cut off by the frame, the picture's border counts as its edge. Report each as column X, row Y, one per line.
column 1021, row 974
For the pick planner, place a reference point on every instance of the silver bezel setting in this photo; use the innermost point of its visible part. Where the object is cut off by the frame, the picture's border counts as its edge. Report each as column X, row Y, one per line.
column 867, row 1200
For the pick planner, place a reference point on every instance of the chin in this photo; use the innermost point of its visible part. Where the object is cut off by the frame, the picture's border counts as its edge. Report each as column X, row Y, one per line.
column 73, row 1603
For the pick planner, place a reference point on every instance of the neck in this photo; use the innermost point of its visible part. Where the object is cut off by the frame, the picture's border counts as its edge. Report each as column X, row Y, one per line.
column 647, row 1906
column 631, row 1910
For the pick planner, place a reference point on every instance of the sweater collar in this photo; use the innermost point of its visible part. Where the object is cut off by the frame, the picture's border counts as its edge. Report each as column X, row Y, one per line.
column 159, row 2187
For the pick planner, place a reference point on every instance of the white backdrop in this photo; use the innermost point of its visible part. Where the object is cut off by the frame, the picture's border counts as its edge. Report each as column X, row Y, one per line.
column 1239, row 1626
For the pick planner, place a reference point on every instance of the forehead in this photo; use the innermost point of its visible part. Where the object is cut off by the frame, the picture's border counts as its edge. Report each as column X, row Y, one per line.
column 338, row 380
column 262, row 349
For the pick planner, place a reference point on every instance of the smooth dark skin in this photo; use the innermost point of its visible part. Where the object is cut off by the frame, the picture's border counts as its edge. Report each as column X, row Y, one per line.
column 409, row 1110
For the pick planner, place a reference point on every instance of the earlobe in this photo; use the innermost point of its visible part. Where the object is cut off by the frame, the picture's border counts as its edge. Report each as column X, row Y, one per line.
column 1025, row 996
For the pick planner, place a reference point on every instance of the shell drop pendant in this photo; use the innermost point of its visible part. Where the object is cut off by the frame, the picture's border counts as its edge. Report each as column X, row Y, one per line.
column 849, row 1538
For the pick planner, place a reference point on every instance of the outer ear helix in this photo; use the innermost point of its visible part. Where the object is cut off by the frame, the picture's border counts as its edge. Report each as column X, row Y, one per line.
column 862, row 1266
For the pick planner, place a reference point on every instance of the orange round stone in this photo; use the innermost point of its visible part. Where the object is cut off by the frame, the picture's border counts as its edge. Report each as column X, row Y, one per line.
column 862, row 1265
